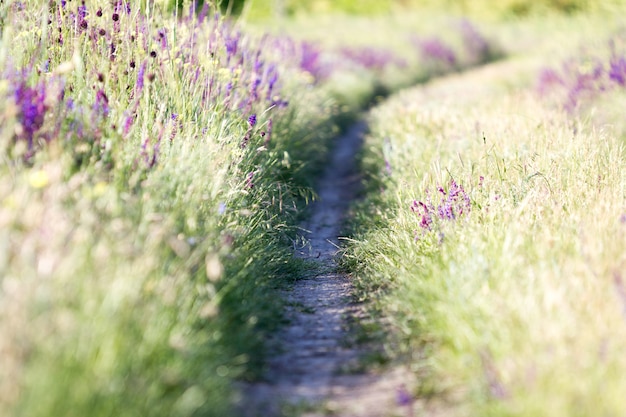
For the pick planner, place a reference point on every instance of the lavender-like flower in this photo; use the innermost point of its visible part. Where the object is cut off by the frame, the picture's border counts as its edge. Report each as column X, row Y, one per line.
column 310, row 60
column 435, row 50
column 249, row 178
column 376, row 59
column 140, row 78
column 162, row 38
column 476, row 46
column 453, row 204
column 101, row 104
column 617, row 70
column 32, row 109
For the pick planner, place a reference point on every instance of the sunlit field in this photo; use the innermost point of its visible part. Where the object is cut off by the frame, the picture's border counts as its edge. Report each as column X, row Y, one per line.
column 493, row 233
column 154, row 161
column 156, row 157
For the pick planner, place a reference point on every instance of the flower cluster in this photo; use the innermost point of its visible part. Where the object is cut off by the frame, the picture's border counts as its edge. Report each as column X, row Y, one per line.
column 223, row 69
column 476, row 46
column 372, row 58
column 434, row 50
column 583, row 78
column 453, row 204
column 32, row 109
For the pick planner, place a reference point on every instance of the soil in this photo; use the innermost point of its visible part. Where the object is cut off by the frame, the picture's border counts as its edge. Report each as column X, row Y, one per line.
column 318, row 370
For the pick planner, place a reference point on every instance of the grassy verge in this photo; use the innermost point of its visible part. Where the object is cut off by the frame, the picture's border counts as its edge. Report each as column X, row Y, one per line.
column 493, row 234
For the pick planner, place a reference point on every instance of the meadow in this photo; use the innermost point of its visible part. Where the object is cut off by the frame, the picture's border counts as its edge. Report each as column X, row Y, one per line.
column 154, row 163
column 491, row 237
column 156, row 158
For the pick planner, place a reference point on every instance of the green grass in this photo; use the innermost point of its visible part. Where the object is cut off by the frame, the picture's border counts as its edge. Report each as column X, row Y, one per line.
column 146, row 223
column 516, row 307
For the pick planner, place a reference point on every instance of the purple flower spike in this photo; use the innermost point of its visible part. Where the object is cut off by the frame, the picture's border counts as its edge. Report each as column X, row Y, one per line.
column 140, row 77
column 435, row 50
column 30, row 102
column 617, row 70
column 249, row 178
column 252, row 120
column 403, row 397
column 453, row 204
column 102, row 103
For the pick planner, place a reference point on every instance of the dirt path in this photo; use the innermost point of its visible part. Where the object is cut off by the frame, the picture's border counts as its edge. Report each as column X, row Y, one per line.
column 315, row 372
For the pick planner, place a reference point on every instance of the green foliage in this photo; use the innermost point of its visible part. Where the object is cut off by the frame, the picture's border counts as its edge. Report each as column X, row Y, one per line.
column 503, row 310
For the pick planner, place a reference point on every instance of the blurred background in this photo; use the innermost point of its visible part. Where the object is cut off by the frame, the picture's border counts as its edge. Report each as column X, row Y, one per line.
column 264, row 9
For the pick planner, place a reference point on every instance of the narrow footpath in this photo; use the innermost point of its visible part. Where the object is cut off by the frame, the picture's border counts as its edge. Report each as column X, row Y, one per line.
column 317, row 371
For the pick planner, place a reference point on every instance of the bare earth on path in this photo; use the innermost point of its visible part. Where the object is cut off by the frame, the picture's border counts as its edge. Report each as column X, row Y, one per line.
column 316, row 371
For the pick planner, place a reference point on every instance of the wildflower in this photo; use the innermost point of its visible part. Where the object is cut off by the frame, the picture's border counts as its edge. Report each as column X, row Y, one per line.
column 249, row 177
column 30, row 102
column 128, row 123
column 453, row 204
column 140, row 78
column 476, row 46
column 433, row 49
column 403, row 397
column 617, row 70
column 310, row 60
column 252, row 120
column 102, row 103
column 38, row 179
column 162, row 38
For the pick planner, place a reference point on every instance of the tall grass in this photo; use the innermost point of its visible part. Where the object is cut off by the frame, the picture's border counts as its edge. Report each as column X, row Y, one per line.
column 153, row 166
column 493, row 235
column 147, row 168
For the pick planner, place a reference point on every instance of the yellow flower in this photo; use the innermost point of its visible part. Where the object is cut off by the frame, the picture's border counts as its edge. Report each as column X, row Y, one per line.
column 38, row 179
column 99, row 189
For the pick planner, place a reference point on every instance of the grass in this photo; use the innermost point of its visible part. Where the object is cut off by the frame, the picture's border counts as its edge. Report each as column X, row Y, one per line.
column 513, row 306
column 153, row 170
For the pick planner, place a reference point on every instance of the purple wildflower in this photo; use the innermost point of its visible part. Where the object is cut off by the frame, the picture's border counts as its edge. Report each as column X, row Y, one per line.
column 249, row 178
column 476, row 46
column 140, row 78
column 252, row 120
column 273, row 78
column 547, row 79
column 30, row 102
column 435, row 50
column 403, row 397
column 101, row 104
column 128, row 123
column 310, row 60
column 376, row 59
column 150, row 160
column 82, row 11
column 162, row 37
column 617, row 70
column 453, row 203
